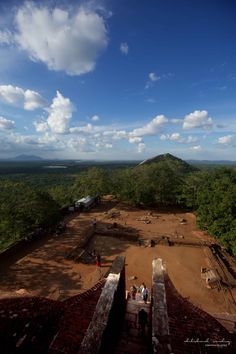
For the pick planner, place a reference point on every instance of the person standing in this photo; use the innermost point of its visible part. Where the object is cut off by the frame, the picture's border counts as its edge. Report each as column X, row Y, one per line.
column 141, row 288
column 142, row 319
column 133, row 291
column 98, row 260
column 145, row 293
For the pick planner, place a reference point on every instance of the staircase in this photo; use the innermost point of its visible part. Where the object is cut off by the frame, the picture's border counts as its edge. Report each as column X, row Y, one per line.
column 131, row 339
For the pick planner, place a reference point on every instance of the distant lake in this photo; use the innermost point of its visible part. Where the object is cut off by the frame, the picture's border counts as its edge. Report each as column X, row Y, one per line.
column 55, row 166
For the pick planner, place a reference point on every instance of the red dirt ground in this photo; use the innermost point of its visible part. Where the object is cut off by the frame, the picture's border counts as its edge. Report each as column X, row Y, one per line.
column 46, row 272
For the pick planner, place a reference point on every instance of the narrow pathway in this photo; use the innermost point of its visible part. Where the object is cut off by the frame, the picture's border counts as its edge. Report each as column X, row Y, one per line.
column 131, row 339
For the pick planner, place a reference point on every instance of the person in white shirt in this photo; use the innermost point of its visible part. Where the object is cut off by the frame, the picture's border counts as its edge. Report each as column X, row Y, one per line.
column 145, row 293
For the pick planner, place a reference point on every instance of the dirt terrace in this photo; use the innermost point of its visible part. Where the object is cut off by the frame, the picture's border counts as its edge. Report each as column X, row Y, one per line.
column 47, row 271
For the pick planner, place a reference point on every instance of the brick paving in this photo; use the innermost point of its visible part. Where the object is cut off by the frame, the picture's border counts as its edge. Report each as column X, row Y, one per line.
column 192, row 330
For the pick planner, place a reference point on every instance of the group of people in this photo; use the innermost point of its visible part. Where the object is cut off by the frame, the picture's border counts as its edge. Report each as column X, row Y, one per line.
column 143, row 290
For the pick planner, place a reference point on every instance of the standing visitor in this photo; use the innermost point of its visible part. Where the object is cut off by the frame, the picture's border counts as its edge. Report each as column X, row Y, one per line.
column 133, row 291
column 142, row 319
column 98, row 260
column 145, row 293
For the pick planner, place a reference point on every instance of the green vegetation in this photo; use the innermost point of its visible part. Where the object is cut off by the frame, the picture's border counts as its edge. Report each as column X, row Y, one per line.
column 166, row 181
column 22, row 209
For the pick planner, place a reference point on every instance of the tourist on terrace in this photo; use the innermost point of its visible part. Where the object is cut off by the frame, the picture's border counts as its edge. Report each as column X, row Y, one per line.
column 133, row 291
column 142, row 319
column 145, row 293
column 98, row 260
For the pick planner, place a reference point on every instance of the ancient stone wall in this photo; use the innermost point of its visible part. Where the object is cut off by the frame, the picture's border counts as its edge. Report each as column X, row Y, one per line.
column 109, row 312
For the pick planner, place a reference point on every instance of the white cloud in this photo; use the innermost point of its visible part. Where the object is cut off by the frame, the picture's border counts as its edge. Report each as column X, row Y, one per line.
column 60, row 114
column 41, row 126
column 33, row 100
column 176, row 121
column 124, row 48
column 12, row 94
column 151, row 128
column 198, row 119
column 16, row 96
column 120, row 134
column 79, row 144
column 226, row 140
column 6, row 124
column 196, row 148
column 87, row 129
column 48, row 138
column 24, row 139
column 6, row 37
column 176, row 137
column 141, row 147
column 103, row 144
column 135, row 140
column 95, row 118
column 63, row 40
column 153, row 77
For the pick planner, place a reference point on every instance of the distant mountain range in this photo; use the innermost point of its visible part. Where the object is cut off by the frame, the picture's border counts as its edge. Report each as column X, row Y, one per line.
column 211, row 162
column 26, row 158
column 186, row 164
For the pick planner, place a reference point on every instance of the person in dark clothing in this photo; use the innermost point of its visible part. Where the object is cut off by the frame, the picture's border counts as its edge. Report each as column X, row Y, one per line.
column 98, row 260
column 133, row 291
column 142, row 319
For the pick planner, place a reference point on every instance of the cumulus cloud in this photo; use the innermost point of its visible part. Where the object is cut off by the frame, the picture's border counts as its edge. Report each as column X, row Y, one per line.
column 6, row 37
column 135, row 140
column 226, row 140
column 199, row 120
column 176, row 137
column 60, row 113
column 124, row 48
column 16, row 96
column 151, row 128
column 119, row 134
column 63, row 40
column 24, row 139
column 12, row 95
column 79, row 144
column 33, row 100
column 41, row 127
column 196, row 148
column 6, row 124
column 141, row 147
column 86, row 129
column 95, row 118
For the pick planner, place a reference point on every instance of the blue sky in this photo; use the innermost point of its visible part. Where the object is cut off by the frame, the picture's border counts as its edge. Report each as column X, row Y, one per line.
column 118, row 79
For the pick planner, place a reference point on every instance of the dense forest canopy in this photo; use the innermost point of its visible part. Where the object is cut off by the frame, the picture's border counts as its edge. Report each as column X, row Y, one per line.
column 166, row 182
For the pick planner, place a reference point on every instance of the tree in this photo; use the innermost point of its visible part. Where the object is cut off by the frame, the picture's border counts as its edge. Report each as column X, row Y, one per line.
column 94, row 181
column 216, row 199
column 22, row 208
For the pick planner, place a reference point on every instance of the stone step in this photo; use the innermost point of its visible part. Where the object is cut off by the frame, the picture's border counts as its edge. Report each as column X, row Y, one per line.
column 132, row 340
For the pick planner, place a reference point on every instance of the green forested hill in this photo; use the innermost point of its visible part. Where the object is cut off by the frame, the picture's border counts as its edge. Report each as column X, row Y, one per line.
column 166, row 182
column 171, row 160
